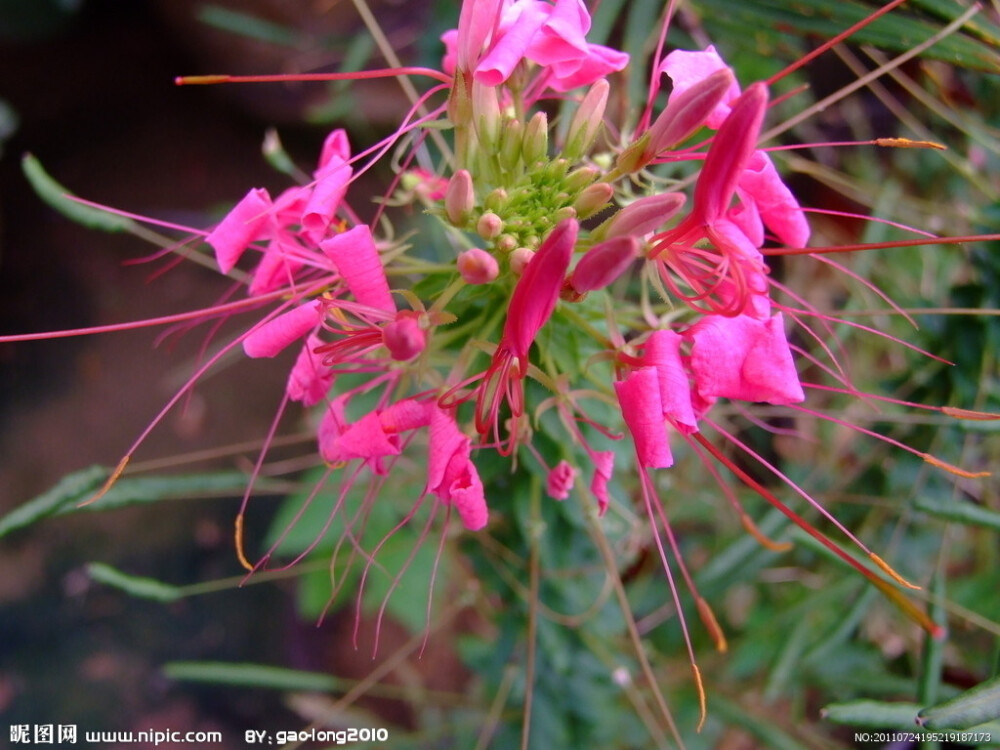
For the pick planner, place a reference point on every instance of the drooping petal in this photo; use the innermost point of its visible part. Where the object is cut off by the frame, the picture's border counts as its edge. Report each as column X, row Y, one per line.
column 559, row 481
column 642, row 410
column 408, row 414
column 604, row 462
column 336, row 150
column 327, row 194
column 744, row 358
column 367, row 439
column 662, row 352
column 604, row 263
column 241, row 226
column 309, row 381
column 357, row 260
column 276, row 334
column 278, row 265
column 477, row 22
column 599, row 61
column 774, row 201
column 451, row 475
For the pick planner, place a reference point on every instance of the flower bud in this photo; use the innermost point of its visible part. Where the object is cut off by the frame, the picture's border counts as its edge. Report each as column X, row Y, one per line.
column 604, row 263
column 404, row 338
column 580, row 178
column 510, row 144
column 587, row 121
column 506, row 243
column 687, row 112
column 593, row 199
column 519, row 260
column 496, row 200
column 641, row 217
column 559, row 481
column 535, row 146
column 486, row 115
column 489, row 226
column 459, row 198
column 477, row 266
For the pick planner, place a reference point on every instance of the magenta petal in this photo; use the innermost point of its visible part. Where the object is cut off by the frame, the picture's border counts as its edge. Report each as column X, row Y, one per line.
column 357, row 260
column 604, row 462
column 467, row 494
column 744, row 358
column 366, row 439
column 451, row 475
column 309, row 380
column 663, row 352
column 563, row 35
column 476, row 23
column 408, row 414
column 336, row 150
column 687, row 69
column 327, row 194
column 278, row 265
column 241, row 226
column 276, row 334
column 775, row 202
column 559, row 481
column 599, row 62
column 639, row 397
column 520, row 24
column 330, row 429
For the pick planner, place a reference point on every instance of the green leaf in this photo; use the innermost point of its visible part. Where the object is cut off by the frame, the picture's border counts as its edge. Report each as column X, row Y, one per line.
column 873, row 714
column 247, row 25
column 774, row 22
column 62, row 201
column 253, row 675
column 973, row 707
column 70, row 490
column 142, row 588
column 960, row 511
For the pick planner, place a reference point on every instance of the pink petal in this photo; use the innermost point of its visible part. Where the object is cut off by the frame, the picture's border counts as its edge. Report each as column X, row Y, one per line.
column 336, row 150
column 563, row 35
column 327, row 194
column 775, row 202
column 559, row 481
column 451, row 475
column 662, row 351
column 639, row 397
column 519, row 25
column 599, row 62
column 357, row 260
column 537, row 291
column 276, row 334
column 477, row 21
column 241, row 226
column 604, row 263
column 408, row 414
column 278, row 265
column 604, row 462
column 744, row 358
column 309, row 381
column 366, row 439
column 330, row 429
column 686, row 69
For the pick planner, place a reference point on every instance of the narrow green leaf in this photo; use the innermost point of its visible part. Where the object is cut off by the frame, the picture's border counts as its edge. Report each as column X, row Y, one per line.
column 253, row 675
column 137, row 586
column 62, row 201
column 933, row 649
column 973, row 707
column 873, row 714
column 137, row 490
column 247, row 25
column 960, row 512
column 70, row 490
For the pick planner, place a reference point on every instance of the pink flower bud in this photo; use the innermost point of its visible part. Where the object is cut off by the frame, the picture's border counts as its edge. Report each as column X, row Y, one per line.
column 460, row 198
column 688, row 111
column 489, row 226
column 404, row 338
column 604, row 263
column 519, row 260
column 592, row 199
column 478, row 266
column 587, row 120
column 642, row 217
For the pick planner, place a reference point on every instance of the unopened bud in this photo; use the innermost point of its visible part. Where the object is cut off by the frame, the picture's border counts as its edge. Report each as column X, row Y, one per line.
column 641, row 217
column 486, row 115
column 519, row 260
column 506, row 243
column 566, row 212
column 593, row 199
column 489, row 226
column 478, row 266
column 510, row 144
column 496, row 200
column 459, row 198
column 687, row 112
column 604, row 263
column 404, row 338
column 587, row 121
column 535, row 146
column 578, row 179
